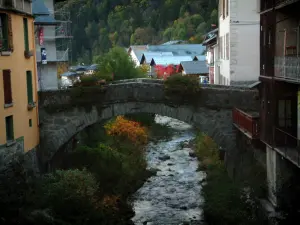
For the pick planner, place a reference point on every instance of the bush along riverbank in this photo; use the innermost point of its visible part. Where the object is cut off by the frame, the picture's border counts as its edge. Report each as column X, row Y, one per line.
column 226, row 201
column 91, row 185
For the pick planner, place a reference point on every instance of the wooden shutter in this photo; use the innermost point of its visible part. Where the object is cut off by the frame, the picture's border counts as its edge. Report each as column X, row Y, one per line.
column 29, row 87
column 26, row 41
column 7, row 87
column 10, row 33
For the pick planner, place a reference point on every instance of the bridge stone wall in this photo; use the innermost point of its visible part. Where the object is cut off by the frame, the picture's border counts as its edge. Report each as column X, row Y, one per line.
column 61, row 117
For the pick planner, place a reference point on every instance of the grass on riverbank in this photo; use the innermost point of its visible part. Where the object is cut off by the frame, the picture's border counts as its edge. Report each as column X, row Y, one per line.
column 226, row 201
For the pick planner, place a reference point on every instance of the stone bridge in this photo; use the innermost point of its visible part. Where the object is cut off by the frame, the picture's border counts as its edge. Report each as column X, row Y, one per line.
column 64, row 113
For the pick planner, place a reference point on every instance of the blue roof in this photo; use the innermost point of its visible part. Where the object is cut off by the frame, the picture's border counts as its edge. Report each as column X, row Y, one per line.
column 179, row 49
column 39, row 8
column 68, row 74
column 195, row 67
column 45, row 20
column 174, row 42
column 201, row 57
column 170, row 60
column 147, row 56
column 93, row 67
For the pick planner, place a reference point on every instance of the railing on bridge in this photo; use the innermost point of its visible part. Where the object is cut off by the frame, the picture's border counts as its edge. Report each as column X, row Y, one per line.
column 246, row 122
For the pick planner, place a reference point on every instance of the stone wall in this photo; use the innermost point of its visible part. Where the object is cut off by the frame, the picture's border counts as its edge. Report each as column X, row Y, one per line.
column 65, row 113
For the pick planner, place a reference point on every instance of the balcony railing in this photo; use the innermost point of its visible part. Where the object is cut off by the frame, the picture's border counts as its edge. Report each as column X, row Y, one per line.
column 20, row 5
column 287, row 67
column 54, row 56
column 246, row 122
column 287, row 145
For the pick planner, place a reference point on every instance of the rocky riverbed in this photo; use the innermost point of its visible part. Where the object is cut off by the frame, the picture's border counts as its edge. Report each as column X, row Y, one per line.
column 173, row 195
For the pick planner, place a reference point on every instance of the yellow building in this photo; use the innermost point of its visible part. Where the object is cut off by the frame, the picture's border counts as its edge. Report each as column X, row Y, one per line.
column 18, row 81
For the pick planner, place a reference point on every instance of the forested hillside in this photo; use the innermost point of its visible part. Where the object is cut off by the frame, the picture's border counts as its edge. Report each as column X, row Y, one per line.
column 97, row 25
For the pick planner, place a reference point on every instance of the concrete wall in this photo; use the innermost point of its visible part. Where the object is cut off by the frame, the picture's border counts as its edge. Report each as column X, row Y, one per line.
column 47, row 76
column 211, row 114
column 18, row 65
column 244, row 41
column 48, row 79
column 243, row 26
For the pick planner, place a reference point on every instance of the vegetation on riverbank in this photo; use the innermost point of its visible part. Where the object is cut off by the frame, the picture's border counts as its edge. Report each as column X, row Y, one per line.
column 91, row 186
column 227, row 201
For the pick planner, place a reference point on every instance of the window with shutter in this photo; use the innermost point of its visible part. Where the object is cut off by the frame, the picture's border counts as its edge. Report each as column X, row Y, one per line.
column 29, row 87
column 7, row 87
column 9, row 128
column 3, row 32
column 10, row 33
column 26, row 41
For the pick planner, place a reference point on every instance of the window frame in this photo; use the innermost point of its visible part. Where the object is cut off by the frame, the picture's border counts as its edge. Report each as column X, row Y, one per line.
column 4, row 29
column 26, row 34
column 29, row 85
column 9, row 126
column 7, row 88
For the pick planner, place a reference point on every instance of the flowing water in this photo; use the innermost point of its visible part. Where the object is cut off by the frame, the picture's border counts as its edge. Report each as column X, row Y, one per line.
column 173, row 195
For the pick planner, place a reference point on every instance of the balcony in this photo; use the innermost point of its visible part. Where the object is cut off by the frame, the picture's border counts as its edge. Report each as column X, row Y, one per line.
column 18, row 5
column 287, row 145
column 248, row 123
column 282, row 3
column 54, row 56
column 287, row 68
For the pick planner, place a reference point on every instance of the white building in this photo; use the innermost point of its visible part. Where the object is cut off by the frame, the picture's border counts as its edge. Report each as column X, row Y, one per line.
column 52, row 42
column 239, row 41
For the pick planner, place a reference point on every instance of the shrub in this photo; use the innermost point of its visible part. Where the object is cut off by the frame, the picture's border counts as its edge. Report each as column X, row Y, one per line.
column 70, row 196
column 131, row 130
column 226, row 201
column 182, row 88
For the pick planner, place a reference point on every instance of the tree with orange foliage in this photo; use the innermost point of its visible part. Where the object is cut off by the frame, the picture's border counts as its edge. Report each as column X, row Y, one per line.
column 131, row 130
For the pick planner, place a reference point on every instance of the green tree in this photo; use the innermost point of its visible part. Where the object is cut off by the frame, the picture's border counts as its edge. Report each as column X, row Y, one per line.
column 117, row 64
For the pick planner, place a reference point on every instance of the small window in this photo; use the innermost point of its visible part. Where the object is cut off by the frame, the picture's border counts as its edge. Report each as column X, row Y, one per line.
column 9, row 128
column 7, row 87
column 26, row 40
column 29, row 87
column 3, row 32
column 30, row 122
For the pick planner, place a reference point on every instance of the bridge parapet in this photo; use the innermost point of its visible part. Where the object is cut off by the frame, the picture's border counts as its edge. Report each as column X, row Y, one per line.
column 148, row 90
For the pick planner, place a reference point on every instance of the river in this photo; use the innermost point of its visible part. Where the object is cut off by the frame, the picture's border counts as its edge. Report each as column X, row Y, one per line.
column 173, row 195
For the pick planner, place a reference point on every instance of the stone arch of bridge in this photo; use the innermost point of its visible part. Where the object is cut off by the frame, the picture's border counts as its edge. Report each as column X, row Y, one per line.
column 60, row 128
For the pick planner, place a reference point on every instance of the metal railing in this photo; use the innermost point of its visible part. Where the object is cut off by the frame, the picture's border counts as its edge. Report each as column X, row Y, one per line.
column 287, row 67
column 288, row 145
column 246, row 122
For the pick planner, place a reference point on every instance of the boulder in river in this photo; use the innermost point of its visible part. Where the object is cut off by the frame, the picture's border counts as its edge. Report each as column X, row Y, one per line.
column 164, row 157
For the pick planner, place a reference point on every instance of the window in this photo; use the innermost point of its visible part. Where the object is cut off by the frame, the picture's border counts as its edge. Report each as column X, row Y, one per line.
column 9, row 128
column 26, row 41
column 285, row 113
column 3, row 32
column 30, row 122
column 7, row 87
column 29, row 87
column 227, row 46
column 227, row 8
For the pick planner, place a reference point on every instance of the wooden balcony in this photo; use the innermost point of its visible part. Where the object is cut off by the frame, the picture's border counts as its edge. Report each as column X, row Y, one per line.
column 287, row 145
column 247, row 122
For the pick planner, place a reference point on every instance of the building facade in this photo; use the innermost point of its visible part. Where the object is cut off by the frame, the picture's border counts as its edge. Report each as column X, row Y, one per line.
column 239, row 30
column 280, row 79
column 19, row 130
column 52, row 40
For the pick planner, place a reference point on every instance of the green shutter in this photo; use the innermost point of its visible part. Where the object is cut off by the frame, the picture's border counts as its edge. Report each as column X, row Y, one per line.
column 26, row 41
column 29, row 87
column 4, row 20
